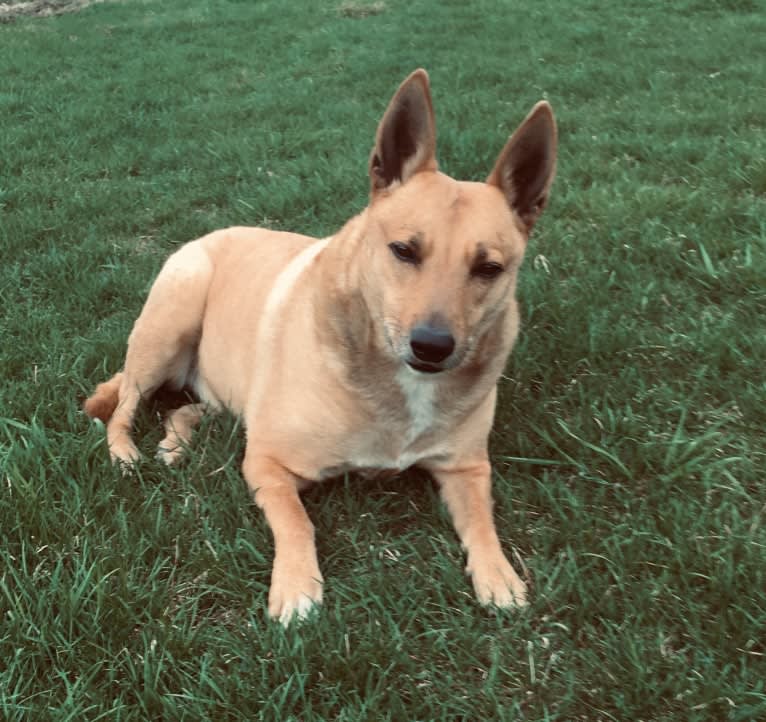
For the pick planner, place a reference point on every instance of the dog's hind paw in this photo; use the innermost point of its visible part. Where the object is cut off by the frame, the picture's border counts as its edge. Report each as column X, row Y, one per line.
column 169, row 456
column 125, row 455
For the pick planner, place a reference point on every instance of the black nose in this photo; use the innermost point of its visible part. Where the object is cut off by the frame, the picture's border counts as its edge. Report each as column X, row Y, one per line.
column 431, row 344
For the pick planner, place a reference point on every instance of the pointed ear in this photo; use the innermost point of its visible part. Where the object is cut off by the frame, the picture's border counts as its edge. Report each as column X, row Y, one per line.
column 526, row 166
column 406, row 139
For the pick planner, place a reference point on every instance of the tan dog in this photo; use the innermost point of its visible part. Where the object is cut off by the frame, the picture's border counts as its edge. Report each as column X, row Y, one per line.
column 376, row 349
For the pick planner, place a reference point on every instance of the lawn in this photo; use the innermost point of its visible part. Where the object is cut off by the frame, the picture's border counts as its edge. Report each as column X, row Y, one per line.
column 629, row 445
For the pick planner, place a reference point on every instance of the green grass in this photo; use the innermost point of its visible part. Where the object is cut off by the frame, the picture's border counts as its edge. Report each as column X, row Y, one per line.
column 629, row 442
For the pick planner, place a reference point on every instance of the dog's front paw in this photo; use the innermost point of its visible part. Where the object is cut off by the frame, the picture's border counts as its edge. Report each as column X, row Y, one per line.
column 295, row 589
column 496, row 582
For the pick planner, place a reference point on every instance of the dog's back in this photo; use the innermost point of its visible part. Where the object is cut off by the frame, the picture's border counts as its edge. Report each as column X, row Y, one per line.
column 214, row 287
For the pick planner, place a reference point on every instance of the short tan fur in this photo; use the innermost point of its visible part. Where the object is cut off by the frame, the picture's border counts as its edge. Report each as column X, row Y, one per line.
column 377, row 349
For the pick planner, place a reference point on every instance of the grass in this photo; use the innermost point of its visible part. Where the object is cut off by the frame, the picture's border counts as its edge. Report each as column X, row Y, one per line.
column 629, row 442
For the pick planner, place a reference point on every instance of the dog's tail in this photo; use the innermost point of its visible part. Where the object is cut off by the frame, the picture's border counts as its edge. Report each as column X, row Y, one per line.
column 104, row 400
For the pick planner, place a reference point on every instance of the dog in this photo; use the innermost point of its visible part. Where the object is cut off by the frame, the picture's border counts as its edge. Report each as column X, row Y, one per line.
column 379, row 348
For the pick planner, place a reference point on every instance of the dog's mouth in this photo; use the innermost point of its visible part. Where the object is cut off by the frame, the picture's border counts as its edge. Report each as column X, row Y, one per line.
column 425, row 368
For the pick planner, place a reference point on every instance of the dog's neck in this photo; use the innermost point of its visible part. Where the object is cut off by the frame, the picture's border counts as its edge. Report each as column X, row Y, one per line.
column 342, row 317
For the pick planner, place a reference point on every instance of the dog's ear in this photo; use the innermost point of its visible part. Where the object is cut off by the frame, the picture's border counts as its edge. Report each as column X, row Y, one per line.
column 406, row 139
column 526, row 166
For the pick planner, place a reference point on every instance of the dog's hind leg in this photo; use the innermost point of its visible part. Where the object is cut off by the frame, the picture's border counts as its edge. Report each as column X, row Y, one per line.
column 163, row 344
column 179, row 426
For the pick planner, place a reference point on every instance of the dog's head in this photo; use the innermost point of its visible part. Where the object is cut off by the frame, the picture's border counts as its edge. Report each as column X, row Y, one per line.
column 440, row 256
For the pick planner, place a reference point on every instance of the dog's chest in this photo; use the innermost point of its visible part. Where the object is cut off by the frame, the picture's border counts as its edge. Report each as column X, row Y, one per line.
column 420, row 400
column 397, row 442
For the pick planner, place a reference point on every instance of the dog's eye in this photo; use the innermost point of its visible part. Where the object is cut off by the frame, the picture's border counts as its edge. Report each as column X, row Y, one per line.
column 488, row 271
column 404, row 252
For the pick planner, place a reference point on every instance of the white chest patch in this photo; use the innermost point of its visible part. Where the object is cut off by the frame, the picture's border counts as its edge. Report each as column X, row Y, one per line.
column 420, row 394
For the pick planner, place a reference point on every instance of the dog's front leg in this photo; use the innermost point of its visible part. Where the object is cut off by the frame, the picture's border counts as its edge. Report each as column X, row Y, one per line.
column 466, row 490
column 296, row 582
